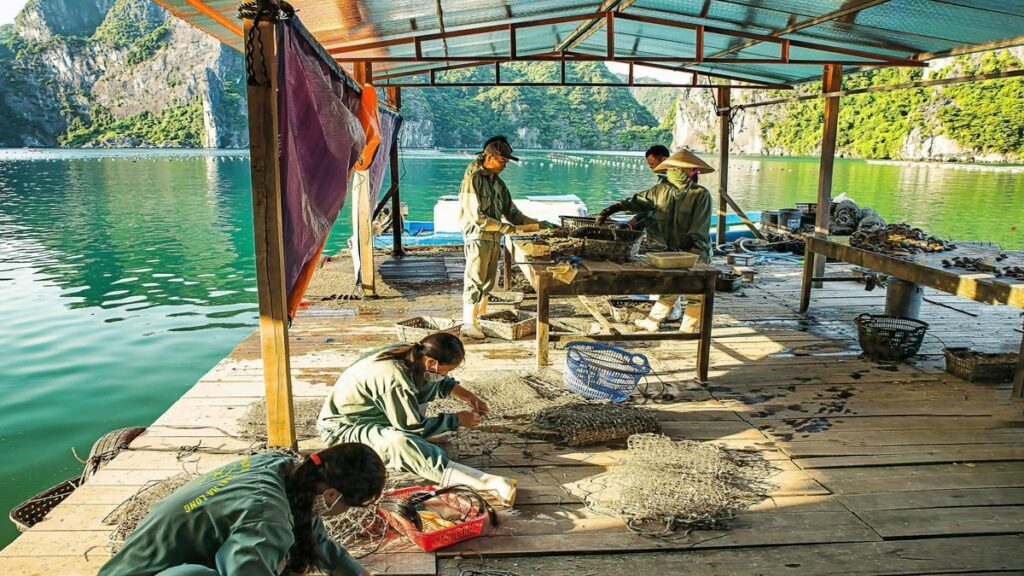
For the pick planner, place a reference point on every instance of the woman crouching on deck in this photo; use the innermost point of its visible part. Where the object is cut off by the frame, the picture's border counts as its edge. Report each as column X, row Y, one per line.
column 257, row 516
column 379, row 401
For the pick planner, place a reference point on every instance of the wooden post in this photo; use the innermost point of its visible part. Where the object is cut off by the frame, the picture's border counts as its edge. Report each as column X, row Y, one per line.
column 707, row 319
column 363, row 73
column 1018, row 378
column 543, row 320
column 268, row 232
column 724, row 107
column 395, row 97
column 807, row 282
column 831, row 81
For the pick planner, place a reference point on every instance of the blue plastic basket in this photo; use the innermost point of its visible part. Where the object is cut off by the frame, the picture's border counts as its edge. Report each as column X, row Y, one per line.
column 602, row 372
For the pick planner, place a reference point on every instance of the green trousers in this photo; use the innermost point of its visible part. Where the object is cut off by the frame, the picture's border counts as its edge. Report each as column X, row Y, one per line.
column 399, row 450
column 481, row 269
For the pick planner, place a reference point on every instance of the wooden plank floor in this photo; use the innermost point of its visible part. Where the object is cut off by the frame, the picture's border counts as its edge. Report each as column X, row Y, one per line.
column 883, row 470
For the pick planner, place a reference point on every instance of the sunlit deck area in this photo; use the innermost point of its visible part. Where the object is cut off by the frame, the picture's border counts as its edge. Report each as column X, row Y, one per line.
column 898, row 469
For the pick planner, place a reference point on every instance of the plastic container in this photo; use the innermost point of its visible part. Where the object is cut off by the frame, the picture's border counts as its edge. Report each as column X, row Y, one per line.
column 430, row 541
column 573, row 222
column 728, row 282
column 671, row 260
column 601, row 372
column 418, row 328
column 889, row 338
column 790, row 219
column 614, row 244
column 979, row 366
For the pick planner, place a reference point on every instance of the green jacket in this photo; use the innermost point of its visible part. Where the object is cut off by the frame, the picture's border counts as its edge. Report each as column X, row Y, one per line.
column 383, row 393
column 235, row 519
column 484, row 201
column 681, row 218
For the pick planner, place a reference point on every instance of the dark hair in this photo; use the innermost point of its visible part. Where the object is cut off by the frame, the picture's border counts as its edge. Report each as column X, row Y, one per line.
column 657, row 150
column 353, row 469
column 443, row 347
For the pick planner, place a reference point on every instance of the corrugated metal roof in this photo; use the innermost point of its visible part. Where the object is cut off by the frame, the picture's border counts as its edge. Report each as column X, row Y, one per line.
column 738, row 39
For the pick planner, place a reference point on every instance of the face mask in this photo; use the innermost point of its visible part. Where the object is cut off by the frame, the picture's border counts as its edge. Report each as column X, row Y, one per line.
column 433, row 377
column 677, row 177
column 320, row 506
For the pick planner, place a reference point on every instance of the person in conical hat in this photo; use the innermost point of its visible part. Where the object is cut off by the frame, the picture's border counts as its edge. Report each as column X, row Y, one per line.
column 680, row 216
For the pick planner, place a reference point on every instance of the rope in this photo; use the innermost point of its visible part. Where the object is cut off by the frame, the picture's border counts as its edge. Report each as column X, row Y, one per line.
column 260, row 10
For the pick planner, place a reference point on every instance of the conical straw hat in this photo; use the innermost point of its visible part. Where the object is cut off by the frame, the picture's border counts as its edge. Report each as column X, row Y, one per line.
column 685, row 159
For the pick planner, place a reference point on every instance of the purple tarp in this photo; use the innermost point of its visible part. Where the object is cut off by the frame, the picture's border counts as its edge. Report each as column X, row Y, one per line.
column 320, row 142
column 390, row 124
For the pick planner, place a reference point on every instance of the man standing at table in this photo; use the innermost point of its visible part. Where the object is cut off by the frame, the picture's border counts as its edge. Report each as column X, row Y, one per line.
column 680, row 216
column 486, row 213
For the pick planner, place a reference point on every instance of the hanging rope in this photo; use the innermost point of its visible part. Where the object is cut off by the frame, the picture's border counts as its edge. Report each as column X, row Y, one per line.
column 257, row 11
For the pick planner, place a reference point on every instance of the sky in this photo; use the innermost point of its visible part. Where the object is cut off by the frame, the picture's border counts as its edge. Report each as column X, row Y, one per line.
column 9, row 9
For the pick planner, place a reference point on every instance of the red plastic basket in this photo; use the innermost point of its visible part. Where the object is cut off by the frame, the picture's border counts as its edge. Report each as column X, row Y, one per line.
column 430, row 541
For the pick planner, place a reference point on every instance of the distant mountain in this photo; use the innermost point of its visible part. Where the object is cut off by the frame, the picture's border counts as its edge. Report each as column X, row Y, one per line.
column 966, row 122
column 116, row 73
column 570, row 117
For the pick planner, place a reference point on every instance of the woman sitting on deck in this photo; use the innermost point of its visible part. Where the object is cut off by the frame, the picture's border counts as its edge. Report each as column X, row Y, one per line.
column 380, row 400
column 259, row 515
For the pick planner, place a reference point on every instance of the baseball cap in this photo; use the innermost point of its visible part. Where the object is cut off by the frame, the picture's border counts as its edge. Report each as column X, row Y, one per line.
column 500, row 148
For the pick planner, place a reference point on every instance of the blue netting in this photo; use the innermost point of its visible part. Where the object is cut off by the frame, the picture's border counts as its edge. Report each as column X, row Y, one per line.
column 602, row 372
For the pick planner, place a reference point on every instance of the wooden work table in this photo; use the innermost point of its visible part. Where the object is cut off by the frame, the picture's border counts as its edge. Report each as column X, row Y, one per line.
column 610, row 279
column 927, row 270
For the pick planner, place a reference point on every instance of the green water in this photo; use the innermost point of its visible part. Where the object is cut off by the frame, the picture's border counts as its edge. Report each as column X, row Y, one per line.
column 124, row 276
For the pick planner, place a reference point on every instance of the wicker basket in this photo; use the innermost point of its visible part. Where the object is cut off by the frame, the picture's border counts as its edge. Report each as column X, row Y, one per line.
column 418, row 328
column 889, row 338
column 573, row 222
column 506, row 299
column 33, row 510
column 614, row 244
column 508, row 324
column 979, row 366
column 625, row 310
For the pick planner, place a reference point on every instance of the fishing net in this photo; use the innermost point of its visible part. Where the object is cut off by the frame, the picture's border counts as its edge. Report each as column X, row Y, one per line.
column 591, row 423
column 126, row 517
column 845, row 217
column 664, row 485
column 253, row 424
column 511, row 396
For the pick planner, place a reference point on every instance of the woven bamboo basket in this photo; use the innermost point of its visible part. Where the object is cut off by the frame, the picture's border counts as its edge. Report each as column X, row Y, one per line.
column 509, row 324
column 418, row 328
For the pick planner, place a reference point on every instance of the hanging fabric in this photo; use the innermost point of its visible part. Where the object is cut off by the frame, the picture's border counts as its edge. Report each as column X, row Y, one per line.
column 390, row 124
column 321, row 139
column 363, row 200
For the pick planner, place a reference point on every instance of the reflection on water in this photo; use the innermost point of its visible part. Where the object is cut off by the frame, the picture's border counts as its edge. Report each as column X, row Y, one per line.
column 124, row 276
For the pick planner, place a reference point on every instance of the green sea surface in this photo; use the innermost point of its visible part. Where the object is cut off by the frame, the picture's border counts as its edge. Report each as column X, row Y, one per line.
column 126, row 275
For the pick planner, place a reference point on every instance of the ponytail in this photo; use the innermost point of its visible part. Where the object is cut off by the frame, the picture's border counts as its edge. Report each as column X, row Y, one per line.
column 441, row 346
column 354, row 470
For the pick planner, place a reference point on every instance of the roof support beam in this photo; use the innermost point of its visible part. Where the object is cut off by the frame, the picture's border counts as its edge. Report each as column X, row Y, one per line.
column 869, row 58
column 848, row 10
column 831, row 81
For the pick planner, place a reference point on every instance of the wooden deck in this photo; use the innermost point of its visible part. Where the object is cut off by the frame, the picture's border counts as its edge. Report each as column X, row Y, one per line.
column 903, row 470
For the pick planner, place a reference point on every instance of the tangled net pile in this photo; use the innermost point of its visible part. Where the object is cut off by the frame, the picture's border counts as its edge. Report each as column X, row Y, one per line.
column 591, row 423
column 665, row 485
column 898, row 238
column 511, row 396
column 360, row 530
column 126, row 517
column 253, row 424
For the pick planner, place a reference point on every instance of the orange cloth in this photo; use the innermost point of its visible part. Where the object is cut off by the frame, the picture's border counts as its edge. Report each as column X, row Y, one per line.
column 302, row 282
column 368, row 115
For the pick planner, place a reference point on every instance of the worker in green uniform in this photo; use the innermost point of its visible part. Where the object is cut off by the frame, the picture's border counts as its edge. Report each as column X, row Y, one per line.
column 257, row 516
column 654, row 156
column 486, row 212
column 680, row 211
column 380, row 401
